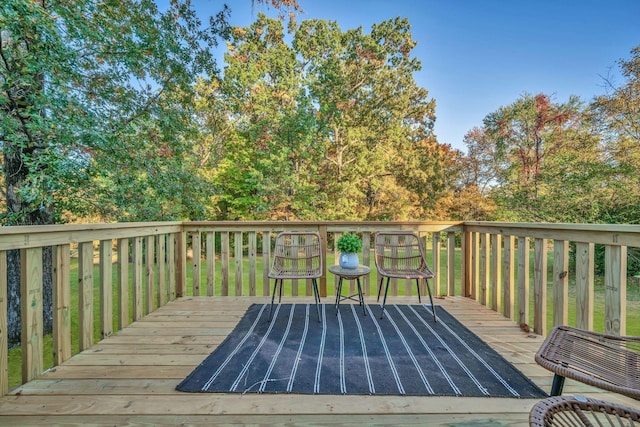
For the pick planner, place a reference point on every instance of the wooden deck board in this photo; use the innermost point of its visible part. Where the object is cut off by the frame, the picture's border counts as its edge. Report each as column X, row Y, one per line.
column 130, row 379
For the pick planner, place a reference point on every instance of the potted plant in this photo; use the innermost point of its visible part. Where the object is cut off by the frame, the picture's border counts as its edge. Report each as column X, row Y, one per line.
column 349, row 245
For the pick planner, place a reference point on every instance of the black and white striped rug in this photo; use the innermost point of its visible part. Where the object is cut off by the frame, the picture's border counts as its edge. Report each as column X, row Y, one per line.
column 349, row 353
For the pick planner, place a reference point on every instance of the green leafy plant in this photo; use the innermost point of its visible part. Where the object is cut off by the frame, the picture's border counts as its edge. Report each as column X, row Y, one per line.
column 349, row 243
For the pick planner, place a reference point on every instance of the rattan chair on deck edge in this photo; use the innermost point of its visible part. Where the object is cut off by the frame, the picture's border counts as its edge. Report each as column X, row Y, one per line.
column 609, row 362
column 297, row 255
column 399, row 254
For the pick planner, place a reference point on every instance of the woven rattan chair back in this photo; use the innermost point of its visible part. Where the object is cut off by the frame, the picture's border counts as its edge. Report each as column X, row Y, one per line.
column 297, row 255
column 400, row 255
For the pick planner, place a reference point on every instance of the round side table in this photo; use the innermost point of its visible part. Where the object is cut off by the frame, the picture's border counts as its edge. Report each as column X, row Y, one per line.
column 350, row 274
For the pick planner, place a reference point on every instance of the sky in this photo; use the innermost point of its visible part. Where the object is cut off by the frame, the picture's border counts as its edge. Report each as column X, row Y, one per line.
column 480, row 55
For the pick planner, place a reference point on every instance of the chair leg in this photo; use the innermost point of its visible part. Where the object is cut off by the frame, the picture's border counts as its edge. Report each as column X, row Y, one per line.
column 273, row 296
column 557, row 385
column 433, row 307
column 316, row 296
column 418, row 288
column 380, row 288
column 384, row 301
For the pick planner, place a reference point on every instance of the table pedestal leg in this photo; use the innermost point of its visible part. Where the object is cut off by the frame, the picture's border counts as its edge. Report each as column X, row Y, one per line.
column 360, row 297
column 338, row 295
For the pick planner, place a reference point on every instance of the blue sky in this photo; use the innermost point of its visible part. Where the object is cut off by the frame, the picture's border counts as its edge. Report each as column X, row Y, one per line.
column 479, row 55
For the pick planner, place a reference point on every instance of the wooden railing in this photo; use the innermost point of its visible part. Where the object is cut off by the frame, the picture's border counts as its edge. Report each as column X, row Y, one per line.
column 142, row 266
column 491, row 266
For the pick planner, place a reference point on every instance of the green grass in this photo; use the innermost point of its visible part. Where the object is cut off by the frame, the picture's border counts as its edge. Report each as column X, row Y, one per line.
column 15, row 356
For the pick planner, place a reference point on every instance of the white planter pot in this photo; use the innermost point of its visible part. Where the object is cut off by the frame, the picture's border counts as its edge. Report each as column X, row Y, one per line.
column 349, row 260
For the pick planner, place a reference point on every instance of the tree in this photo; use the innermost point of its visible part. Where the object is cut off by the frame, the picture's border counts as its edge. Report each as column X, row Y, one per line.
column 381, row 158
column 331, row 126
column 617, row 115
column 266, row 169
column 527, row 135
column 95, row 99
column 475, row 175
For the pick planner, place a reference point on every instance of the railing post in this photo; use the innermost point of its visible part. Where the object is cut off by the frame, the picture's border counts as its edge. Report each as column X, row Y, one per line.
column 137, row 278
column 224, row 262
column 266, row 261
column 4, row 338
column 540, row 287
column 253, row 253
column 62, row 304
column 523, row 280
column 161, row 254
column 31, row 313
column 172, row 267
column 615, row 290
column 560, row 282
column 451, row 263
column 106, row 287
column 323, row 242
column 484, row 268
column 475, row 266
column 196, row 248
column 237, row 261
column 149, row 274
column 496, row 267
column 181, row 264
column 123, row 283
column 85, row 277
column 435, row 260
column 466, row 264
column 366, row 260
column 585, row 255
column 508, row 278
column 210, row 241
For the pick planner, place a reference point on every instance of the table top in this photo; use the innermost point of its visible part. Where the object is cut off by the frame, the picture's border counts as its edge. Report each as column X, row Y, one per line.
column 360, row 270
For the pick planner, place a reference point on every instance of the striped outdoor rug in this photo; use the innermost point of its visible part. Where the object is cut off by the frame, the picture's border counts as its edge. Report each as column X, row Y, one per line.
column 405, row 353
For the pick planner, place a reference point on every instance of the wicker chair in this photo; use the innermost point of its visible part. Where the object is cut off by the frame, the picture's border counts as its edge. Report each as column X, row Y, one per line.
column 581, row 411
column 400, row 255
column 606, row 361
column 297, row 255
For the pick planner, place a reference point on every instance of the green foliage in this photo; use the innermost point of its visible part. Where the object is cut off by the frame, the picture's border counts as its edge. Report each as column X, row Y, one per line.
column 330, row 126
column 102, row 112
column 349, row 243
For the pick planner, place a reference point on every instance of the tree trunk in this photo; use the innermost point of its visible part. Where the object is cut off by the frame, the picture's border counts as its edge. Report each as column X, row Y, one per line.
column 20, row 213
column 20, row 156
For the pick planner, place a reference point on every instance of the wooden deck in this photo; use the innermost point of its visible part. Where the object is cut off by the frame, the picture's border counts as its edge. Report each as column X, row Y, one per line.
column 130, row 378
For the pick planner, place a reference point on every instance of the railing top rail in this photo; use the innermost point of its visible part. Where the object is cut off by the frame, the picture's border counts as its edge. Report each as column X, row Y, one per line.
column 556, row 226
column 29, row 236
column 331, row 226
column 20, row 237
column 606, row 234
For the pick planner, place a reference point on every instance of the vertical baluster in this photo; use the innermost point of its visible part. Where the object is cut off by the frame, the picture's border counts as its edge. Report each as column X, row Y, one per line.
column 508, row 282
column 560, row 282
column 123, row 283
column 615, row 290
column 211, row 262
column 106, row 288
column 585, row 261
column 540, row 286
column 523, row 280
column 451, row 263
column 85, row 300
